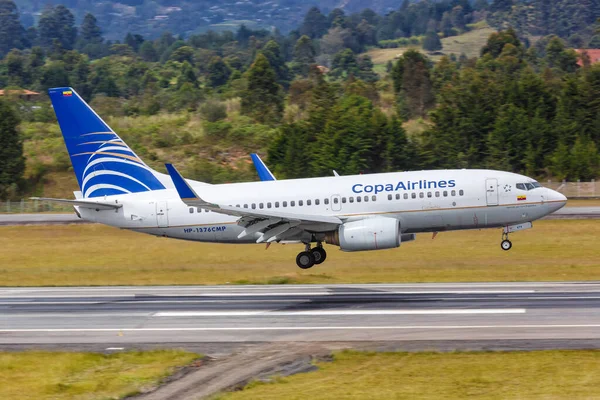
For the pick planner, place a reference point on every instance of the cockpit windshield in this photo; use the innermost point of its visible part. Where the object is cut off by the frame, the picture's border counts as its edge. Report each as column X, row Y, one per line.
column 528, row 185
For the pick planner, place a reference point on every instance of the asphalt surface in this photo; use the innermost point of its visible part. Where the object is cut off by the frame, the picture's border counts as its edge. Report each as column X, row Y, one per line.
column 115, row 317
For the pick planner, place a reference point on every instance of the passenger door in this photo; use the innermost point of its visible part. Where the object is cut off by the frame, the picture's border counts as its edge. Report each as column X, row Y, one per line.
column 491, row 191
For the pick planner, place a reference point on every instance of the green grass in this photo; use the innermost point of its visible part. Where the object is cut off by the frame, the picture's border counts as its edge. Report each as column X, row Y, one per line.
column 469, row 43
column 40, row 375
column 98, row 255
column 475, row 375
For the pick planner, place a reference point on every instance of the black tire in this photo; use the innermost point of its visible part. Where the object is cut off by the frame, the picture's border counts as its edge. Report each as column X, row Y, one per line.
column 305, row 260
column 319, row 254
column 506, row 245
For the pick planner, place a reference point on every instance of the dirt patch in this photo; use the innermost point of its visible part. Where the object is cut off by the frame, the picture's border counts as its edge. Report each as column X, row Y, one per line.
column 209, row 376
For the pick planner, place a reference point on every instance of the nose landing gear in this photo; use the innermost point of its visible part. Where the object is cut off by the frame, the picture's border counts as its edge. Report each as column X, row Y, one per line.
column 310, row 257
column 505, row 244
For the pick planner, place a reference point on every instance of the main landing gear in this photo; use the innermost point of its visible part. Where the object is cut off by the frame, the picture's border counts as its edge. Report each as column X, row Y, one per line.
column 505, row 244
column 309, row 257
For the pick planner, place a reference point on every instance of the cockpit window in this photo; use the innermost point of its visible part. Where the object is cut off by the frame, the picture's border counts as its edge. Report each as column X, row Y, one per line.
column 528, row 185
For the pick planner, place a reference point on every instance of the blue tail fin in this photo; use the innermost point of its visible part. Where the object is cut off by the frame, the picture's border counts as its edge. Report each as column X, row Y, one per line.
column 102, row 161
column 263, row 171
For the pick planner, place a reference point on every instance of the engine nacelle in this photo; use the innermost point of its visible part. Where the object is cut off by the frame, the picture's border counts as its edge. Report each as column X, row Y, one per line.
column 366, row 234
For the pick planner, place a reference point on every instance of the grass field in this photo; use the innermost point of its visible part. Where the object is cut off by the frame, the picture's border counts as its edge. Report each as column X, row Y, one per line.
column 510, row 375
column 40, row 375
column 98, row 255
column 469, row 43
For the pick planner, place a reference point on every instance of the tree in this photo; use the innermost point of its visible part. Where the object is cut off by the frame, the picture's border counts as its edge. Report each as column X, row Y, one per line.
column 148, row 51
column 89, row 31
column 304, row 56
column 262, row 99
column 57, row 24
column 12, row 33
column 273, row 53
column 412, row 84
column 315, row 24
column 218, row 72
column 432, row 41
column 12, row 162
column 187, row 76
column 496, row 42
column 501, row 5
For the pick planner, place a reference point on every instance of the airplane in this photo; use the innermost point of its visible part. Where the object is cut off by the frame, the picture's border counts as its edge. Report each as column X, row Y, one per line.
column 355, row 212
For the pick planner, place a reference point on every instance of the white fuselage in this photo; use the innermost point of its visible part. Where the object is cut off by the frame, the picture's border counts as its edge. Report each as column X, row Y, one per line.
column 423, row 201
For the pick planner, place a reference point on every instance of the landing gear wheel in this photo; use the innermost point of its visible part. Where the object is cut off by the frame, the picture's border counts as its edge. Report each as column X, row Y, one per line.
column 305, row 259
column 506, row 245
column 319, row 254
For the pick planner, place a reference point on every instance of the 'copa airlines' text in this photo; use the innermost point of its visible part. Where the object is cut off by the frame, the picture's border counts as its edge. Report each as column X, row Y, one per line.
column 408, row 185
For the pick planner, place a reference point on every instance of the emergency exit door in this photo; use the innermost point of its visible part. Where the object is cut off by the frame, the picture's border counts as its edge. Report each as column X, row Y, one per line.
column 491, row 192
column 162, row 216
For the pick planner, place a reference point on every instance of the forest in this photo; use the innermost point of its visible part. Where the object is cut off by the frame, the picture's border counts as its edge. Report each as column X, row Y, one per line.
column 313, row 100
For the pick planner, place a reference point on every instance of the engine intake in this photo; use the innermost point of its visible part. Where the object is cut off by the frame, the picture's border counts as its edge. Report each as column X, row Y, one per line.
column 366, row 234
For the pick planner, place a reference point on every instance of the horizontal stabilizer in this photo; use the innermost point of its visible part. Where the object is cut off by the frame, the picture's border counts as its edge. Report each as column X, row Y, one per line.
column 95, row 205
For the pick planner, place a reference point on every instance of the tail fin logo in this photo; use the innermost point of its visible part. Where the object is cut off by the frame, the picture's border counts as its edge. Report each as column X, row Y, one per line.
column 102, row 161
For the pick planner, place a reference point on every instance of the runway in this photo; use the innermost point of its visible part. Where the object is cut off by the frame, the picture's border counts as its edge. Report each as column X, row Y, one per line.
column 121, row 316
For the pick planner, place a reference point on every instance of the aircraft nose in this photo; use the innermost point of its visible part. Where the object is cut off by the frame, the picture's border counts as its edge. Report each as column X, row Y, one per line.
column 553, row 195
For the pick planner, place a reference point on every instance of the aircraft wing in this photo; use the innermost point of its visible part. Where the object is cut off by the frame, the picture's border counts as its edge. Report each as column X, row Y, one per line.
column 95, row 205
column 273, row 224
column 263, row 171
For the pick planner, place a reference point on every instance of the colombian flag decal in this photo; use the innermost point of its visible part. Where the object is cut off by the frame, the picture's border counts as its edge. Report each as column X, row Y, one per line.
column 521, row 197
column 68, row 93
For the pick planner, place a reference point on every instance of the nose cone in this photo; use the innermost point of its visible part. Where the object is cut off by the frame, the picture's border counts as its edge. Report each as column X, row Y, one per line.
column 556, row 200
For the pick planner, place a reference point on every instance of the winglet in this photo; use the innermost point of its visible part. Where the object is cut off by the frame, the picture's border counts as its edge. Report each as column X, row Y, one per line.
column 185, row 191
column 263, row 171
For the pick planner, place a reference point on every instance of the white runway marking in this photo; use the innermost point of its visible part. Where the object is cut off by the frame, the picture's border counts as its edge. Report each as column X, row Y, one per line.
column 264, row 313
column 302, row 328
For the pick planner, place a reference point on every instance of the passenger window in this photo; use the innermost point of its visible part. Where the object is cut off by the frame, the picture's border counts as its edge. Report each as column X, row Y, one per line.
column 335, row 200
column 437, row 194
column 285, row 203
column 358, row 199
column 390, row 197
column 374, row 198
column 245, row 205
column 366, row 198
column 445, row 193
column 461, row 192
column 343, row 200
column 326, row 201
column 261, row 206
column 397, row 196
column 191, row 210
column 521, row 186
column 317, row 201
column 276, row 204
column 351, row 199
column 300, row 203
column 413, row 195
column 237, row 205
column 453, row 193
column 293, row 203
column 268, row 205
column 429, row 194
column 254, row 206
column 421, row 195
column 308, row 202
column 405, row 196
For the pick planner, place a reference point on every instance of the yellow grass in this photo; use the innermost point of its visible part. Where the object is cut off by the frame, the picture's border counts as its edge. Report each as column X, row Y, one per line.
column 502, row 375
column 40, row 375
column 98, row 255
column 583, row 203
